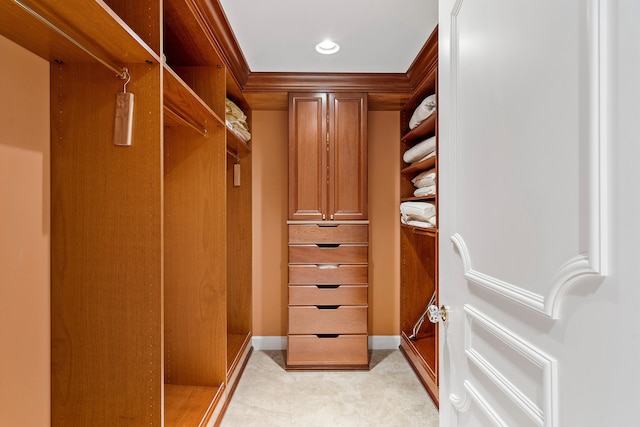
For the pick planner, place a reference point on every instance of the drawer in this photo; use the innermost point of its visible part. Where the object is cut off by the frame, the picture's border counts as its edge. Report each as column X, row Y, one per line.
column 340, row 233
column 328, row 319
column 311, row 350
column 328, row 273
column 332, row 253
column 328, row 294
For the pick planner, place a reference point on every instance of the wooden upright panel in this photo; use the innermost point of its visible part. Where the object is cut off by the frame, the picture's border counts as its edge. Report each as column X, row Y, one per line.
column 308, row 148
column 347, row 180
column 106, row 250
column 239, row 279
column 195, row 257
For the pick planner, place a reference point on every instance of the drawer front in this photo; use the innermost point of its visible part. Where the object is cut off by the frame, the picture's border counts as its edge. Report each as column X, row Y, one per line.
column 341, row 233
column 328, row 320
column 310, row 350
column 328, row 295
column 328, row 253
column 329, row 274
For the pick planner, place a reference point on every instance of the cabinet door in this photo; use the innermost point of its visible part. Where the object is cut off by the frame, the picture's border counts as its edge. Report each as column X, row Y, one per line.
column 307, row 156
column 347, row 187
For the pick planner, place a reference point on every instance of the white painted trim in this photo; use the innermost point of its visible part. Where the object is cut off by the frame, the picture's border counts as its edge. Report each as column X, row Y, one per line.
column 484, row 405
column 376, row 342
column 269, row 343
column 547, row 416
column 595, row 262
column 384, row 342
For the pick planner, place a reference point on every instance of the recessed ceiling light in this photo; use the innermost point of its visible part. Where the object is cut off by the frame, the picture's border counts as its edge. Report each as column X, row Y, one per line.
column 327, row 47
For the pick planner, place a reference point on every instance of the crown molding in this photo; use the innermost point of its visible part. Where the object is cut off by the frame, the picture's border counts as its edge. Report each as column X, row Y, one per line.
column 216, row 21
column 357, row 82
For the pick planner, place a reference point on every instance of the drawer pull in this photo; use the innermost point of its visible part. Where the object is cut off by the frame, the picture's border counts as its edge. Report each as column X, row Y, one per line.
column 328, row 225
column 327, row 335
column 327, row 307
column 327, row 286
column 328, row 245
column 328, row 266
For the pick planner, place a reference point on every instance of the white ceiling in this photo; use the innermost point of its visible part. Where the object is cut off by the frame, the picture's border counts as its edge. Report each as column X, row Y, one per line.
column 375, row 36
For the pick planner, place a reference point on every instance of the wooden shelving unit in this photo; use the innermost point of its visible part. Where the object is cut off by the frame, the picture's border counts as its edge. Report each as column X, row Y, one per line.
column 150, row 243
column 419, row 246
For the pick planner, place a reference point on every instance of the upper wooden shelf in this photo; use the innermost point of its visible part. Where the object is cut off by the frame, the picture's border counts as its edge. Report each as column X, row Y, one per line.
column 419, row 166
column 185, row 107
column 419, row 230
column 188, row 40
column 427, row 127
column 235, row 143
column 71, row 25
column 430, row 197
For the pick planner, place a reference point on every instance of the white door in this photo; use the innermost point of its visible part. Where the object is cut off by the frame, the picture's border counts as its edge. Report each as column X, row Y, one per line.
column 539, row 180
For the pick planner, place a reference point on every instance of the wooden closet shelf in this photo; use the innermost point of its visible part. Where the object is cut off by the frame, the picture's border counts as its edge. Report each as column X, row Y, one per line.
column 189, row 405
column 185, row 106
column 419, row 230
column 430, row 198
column 185, row 40
column 60, row 37
column 237, row 144
column 425, row 349
column 424, row 129
column 420, row 166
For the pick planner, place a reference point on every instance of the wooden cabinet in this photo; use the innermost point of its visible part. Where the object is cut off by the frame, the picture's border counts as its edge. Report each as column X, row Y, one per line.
column 327, row 156
column 150, row 243
column 419, row 244
column 328, row 231
column 328, row 307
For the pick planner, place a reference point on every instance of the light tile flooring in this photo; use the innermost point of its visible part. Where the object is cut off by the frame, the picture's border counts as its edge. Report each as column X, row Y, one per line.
column 389, row 394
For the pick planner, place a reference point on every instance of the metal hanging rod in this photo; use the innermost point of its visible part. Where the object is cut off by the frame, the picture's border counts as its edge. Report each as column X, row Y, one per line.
column 201, row 130
column 120, row 72
column 233, row 154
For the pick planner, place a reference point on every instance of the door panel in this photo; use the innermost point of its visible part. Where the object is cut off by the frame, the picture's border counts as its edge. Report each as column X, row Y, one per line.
column 348, row 160
column 524, row 181
column 307, row 156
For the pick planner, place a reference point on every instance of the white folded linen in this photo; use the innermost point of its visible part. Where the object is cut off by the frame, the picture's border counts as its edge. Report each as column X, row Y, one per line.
column 428, row 156
column 425, row 179
column 433, row 220
column 425, row 191
column 420, row 211
column 420, row 150
column 236, row 120
column 416, row 223
column 424, row 110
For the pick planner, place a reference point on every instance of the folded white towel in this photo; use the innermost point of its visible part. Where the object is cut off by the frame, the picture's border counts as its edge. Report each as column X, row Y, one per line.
column 420, row 211
column 416, row 223
column 425, row 191
column 420, row 150
column 424, row 110
column 425, row 179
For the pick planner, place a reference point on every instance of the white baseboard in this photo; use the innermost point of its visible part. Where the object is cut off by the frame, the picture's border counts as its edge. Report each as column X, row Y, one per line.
column 376, row 342
column 384, row 342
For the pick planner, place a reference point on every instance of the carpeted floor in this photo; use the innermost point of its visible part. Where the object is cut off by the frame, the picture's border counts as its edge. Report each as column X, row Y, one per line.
column 389, row 394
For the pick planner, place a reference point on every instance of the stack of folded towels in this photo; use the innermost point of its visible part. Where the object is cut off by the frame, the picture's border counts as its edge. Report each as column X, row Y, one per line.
column 424, row 182
column 418, row 214
column 237, row 121
column 426, row 108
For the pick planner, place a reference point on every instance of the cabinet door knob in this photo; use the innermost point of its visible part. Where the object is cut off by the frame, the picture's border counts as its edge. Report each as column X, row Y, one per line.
column 331, row 217
column 324, row 217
